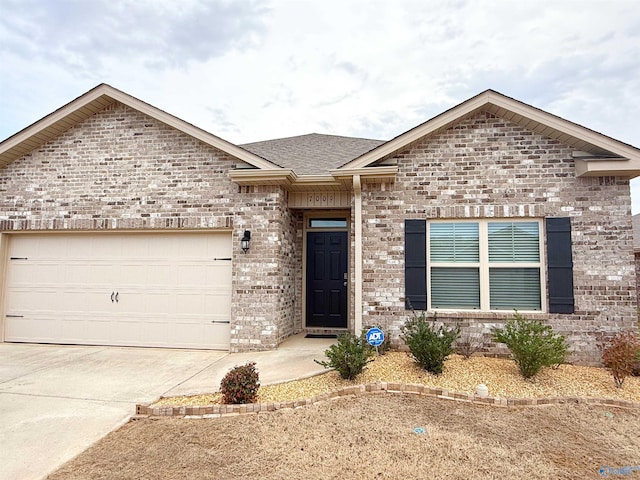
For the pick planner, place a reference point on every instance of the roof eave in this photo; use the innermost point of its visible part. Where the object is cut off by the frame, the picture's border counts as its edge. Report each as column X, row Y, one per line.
column 623, row 167
column 251, row 176
column 382, row 173
column 338, row 179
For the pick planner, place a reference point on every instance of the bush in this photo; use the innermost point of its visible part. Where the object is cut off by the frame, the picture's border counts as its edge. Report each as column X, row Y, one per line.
column 349, row 356
column 429, row 346
column 469, row 344
column 532, row 344
column 240, row 384
column 382, row 348
column 620, row 356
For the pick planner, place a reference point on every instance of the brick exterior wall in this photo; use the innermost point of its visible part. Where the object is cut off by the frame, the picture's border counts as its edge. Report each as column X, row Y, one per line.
column 637, row 260
column 486, row 167
column 122, row 170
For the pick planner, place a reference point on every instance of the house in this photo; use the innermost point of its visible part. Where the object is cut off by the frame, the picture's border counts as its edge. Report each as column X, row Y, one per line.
column 124, row 225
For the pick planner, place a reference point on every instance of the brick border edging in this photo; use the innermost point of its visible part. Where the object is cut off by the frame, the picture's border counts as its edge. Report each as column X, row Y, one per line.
column 214, row 411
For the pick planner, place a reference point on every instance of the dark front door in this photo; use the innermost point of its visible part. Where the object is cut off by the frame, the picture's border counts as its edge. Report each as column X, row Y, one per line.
column 327, row 279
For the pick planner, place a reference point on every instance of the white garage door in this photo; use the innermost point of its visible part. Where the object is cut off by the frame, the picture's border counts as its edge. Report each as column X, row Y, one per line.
column 160, row 290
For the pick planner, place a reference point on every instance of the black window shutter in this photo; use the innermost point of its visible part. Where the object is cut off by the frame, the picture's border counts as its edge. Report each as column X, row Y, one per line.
column 560, row 265
column 415, row 264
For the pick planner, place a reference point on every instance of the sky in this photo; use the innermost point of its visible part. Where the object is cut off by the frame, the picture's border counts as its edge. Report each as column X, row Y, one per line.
column 256, row 70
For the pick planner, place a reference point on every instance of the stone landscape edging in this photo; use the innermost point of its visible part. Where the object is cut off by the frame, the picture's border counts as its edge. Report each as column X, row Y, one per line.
column 221, row 410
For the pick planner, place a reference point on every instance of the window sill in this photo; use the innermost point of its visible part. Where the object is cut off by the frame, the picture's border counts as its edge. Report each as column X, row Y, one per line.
column 483, row 315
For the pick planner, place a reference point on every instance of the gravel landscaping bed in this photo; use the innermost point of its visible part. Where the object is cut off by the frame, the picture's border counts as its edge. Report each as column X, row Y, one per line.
column 501, row 376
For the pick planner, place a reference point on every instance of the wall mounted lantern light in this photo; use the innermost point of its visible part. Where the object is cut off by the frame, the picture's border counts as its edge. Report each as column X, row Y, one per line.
column 244, row 242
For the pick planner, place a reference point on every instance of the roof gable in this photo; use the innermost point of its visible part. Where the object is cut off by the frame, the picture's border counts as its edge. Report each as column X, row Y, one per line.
column 595, row 153
column 97, row 99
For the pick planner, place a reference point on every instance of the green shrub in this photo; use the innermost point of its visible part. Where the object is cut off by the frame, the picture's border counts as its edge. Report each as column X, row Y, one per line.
column 386, row 343
column 240, row 384
column 349, row 356
column 532, row 344
column 621, row 355
column 429, row 346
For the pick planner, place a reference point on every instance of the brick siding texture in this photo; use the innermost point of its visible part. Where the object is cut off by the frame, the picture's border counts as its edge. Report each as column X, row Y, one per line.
column 486, row 167
column 123, row 170
column 637, row 260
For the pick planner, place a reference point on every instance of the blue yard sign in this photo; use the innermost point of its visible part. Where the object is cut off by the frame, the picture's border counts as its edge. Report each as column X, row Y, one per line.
column 375, row 337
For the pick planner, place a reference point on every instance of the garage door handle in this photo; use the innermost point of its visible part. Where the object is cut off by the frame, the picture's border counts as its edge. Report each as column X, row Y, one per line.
column 220, row 321
column 14, row 316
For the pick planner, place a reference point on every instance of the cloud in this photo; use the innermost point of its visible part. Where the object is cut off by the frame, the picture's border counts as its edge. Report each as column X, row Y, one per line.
column 80, row 35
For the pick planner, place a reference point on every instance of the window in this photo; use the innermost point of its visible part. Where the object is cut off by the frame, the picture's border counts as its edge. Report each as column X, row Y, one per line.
column 327, row 223
column 484, row 265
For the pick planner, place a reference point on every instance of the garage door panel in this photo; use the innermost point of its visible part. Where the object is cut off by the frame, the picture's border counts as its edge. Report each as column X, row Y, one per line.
column 191, row 274
column 135, row 247
column 218, row 335
column 132, row 302
column 25, row 300
column 78, row 273
column 219, row 304
column 159, row 274
column 98, row 331
column 38, row 327
column 219, row 275
column 103, row 273
column 135, row 273
column 186, row 334
column 219, row 246
column 188, row 303
column 78, row 247
column 22, row 274
column 80, row 301
column 73, row 329
column 169, row 289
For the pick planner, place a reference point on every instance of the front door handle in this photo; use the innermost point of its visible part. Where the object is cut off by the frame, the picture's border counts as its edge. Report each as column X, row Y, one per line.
column 117, row 294
column 112, row 294
column 345, row 284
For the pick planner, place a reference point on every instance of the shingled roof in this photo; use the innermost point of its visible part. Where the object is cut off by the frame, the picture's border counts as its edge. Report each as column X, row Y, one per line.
column 312, row 154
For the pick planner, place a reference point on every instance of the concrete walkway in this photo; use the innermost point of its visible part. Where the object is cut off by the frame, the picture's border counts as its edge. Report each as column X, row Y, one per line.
column 55, row 401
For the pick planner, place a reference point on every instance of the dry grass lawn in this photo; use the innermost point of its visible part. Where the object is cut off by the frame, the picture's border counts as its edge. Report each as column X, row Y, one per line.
column 371, row 436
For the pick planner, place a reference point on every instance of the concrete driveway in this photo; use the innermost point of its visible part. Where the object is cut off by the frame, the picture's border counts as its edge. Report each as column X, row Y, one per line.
column 55, row 401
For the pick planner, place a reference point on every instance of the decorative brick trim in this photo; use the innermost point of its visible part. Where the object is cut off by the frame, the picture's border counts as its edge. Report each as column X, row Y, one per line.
column 215, row 411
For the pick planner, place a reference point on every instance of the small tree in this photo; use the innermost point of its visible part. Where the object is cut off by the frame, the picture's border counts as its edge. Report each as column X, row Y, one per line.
column 532, row 344
column 621, row 355
column 240, row 384
column 349, row 356
column 429, row 346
